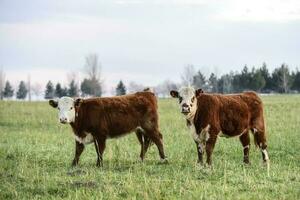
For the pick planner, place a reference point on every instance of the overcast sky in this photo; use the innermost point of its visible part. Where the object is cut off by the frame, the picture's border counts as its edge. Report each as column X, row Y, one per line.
column 146, row 41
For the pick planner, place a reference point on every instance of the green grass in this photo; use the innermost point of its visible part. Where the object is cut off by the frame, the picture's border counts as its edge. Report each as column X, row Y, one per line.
column 36, row 152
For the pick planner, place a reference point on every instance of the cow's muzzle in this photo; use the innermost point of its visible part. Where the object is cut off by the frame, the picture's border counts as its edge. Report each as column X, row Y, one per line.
column 63, row 120
column 185, row 109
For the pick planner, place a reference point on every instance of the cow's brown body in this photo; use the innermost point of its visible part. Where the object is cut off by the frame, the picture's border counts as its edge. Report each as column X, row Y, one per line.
column 229, row 116
column 113, row 117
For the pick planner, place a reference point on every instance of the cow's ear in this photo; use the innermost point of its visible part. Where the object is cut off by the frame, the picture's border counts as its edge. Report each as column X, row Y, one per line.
column 53, row 103
column 198, row 92
column 78, row 101
column 174, row 94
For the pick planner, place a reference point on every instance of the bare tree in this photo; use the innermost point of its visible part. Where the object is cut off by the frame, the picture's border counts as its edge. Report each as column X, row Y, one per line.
column 72, row 76
column 37, row 89
column 163, row 89
column 2, row 83
column 188, row 75
column 92, row 85
column 29, row 87
column 93, row 67
column 285, row 76
column 135, row 87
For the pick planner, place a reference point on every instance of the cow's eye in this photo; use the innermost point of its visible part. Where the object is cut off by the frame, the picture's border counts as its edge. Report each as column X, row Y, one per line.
column 193, row 99
column 71, row 108
column 180, row 99
column 58, row 108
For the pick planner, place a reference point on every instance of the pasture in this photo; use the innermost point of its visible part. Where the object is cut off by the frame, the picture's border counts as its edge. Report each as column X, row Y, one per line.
column 36, row 153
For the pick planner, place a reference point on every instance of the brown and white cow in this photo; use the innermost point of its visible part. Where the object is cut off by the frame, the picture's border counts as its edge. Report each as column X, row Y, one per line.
column 211, row 115
column 96, row 119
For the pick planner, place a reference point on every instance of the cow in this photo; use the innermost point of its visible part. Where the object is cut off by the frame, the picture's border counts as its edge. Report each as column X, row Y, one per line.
column 94, row 120
column 211, row 115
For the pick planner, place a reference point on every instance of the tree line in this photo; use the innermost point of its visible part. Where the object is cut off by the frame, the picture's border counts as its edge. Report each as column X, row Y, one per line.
column 280, row 80
column 260, row 79
column 90, row 86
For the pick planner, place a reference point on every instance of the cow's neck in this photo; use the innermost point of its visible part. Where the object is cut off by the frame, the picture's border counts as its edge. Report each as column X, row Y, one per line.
column 190, row 117
column 75, row 129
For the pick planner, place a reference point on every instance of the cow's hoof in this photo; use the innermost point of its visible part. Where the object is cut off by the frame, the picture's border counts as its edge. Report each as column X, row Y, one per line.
column 163, row 161
column 199, row 165
column 100, row 165
column 73, row 165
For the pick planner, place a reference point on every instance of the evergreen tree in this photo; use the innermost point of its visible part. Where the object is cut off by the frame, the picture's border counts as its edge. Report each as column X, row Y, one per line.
column 49, row 92
column 22, row 91
column 58, row 91
column 257, row 81
column 121, row 89
column 225, row 83
column 73, row 89
column 236, row 83
column 245, row 78
column 213, row 83
column 268, row 79
column 91, row 87
column 282, row 79
column 199, row 81
column 8, row 90
column 296, row 82
column 64, row 92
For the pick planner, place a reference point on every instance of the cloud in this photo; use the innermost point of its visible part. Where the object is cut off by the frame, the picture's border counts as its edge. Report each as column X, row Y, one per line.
column 260, row 10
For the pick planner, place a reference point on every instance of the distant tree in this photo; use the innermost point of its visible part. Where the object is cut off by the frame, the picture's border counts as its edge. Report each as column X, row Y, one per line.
column 199, row 80
column 92, row 84
column 2, row 82
column 236, row 82
column 8, row 90
column 268, row 79
column 257, row 81
column 188, row 75
column 225, row 83
column 90, row 87
column 37, row 89
column 73, row 89
column 49, row 92
column 58, row 91
column 281, row 78
column 165, row 87
column 29, row 87
column 135, row 87
column 296, row 82
column 121, row 89
column 213, row 83
column 245, row 78
column 22, row 91
column 64, row 92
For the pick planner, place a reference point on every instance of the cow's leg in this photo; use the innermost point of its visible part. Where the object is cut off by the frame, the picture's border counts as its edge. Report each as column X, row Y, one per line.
column 79, row 147
column 100, row 146
column 156, row 137
column 145, row 146
column 260, row 140
column 147, row 142
column 98, row 163
column 245, row 140
column 141, row 139
column 200, row 152
column 209, row 147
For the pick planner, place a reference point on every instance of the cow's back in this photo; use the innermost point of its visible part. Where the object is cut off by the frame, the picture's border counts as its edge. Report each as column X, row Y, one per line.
column 255, row 107
column 117, row 115
column 227, row 113
column 234, row 115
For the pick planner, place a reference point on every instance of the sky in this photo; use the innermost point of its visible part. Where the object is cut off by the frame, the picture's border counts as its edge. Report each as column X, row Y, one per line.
column 146, row 41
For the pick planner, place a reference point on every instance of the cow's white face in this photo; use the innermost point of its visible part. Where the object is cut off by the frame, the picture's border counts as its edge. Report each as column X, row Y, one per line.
column 187, row 99
column 66, row 108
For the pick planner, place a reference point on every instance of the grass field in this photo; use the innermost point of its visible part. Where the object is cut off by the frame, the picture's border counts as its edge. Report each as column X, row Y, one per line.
column 36, row 152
